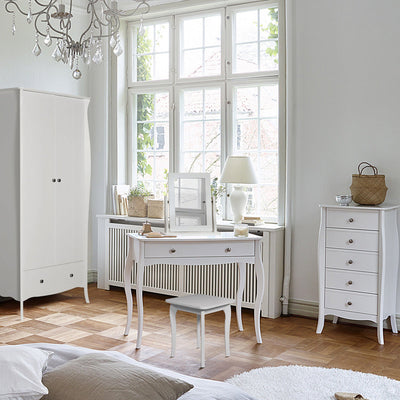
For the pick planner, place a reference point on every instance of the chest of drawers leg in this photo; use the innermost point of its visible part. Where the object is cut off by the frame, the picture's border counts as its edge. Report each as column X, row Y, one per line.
column 358, row 256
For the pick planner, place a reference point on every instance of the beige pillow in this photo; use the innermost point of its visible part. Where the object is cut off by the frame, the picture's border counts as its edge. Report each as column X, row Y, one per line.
column 96, row 376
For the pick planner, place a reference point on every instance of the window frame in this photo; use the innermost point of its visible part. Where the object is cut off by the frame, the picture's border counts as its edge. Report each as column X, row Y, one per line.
column 132, row 60
column 227, row 80
column 178, row 38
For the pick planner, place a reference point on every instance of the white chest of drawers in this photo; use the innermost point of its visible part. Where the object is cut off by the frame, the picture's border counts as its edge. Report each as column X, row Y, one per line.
column 358, row 260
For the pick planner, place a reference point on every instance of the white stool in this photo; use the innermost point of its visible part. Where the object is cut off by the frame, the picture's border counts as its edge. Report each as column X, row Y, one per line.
column 199, row 305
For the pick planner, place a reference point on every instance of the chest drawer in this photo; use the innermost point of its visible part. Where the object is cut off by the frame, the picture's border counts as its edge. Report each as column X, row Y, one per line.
column 198, row 249
column 352, row 219
column 45, row 281
column 352, row 239
column 352, row 260
column 351, row 301
column 352, row 281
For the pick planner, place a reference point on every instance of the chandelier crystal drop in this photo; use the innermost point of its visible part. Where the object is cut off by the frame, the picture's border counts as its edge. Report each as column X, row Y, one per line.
column 52, row 21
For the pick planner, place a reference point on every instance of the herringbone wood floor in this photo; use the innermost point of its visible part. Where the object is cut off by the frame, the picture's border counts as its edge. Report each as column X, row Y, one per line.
column 65, row 318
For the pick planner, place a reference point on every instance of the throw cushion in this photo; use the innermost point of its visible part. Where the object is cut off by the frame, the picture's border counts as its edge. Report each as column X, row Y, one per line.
column 21, row 370
column 99, row 377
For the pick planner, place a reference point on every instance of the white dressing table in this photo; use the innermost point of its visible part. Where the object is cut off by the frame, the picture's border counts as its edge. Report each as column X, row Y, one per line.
column 193, row 249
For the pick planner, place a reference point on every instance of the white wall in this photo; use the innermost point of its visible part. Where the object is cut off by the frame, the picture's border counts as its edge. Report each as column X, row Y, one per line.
column 20, row 68
column 345, row 101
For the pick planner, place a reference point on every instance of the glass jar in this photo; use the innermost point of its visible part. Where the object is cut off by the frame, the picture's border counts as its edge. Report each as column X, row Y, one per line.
column 241, row 230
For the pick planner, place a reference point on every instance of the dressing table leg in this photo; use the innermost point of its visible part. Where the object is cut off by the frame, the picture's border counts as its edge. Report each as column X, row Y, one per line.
column 127, row 285
column 139, row 302
column 239, row 294
column 172, row 317
column 260, row 291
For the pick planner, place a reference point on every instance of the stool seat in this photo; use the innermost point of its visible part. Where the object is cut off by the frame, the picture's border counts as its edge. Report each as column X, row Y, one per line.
column 199, row 302
column 201, row 305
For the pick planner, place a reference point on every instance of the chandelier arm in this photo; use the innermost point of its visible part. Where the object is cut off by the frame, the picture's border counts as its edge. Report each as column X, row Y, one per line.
column 13, row 3
column 128, row 13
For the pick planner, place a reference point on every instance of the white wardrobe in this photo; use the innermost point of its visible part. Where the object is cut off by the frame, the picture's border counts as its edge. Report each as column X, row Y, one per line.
column 44, row 201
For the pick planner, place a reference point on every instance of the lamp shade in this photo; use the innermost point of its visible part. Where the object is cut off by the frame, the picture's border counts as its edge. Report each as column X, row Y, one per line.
column 238, row 169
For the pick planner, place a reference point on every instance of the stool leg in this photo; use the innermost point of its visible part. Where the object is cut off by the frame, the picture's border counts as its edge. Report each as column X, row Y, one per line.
column 198, row 331
column 202, row 340
column 172, row 317
column 227, row 312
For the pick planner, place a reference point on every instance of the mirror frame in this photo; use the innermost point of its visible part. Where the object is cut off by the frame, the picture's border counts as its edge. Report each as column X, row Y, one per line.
column 209, row 227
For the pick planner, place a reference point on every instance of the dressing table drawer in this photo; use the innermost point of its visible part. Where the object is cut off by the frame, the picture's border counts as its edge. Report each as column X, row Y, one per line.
column 352, row 239
column 198, row 249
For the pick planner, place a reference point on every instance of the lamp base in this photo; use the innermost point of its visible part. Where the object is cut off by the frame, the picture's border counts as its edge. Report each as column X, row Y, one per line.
column 238, row 203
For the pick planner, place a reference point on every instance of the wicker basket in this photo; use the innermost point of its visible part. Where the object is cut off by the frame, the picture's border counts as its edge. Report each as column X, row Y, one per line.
column 368, row 189
column 155, row 208
column 137, row 206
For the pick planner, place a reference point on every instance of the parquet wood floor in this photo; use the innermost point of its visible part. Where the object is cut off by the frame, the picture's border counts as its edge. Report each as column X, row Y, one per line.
column 65, row 318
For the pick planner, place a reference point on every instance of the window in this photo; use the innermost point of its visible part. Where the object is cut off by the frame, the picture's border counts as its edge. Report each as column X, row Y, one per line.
column 203, row 86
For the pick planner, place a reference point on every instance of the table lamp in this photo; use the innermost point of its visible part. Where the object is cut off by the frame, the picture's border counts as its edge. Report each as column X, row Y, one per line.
column 238, row 170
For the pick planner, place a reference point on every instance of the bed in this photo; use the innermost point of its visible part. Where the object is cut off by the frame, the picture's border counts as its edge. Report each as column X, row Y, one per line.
column 204, row 389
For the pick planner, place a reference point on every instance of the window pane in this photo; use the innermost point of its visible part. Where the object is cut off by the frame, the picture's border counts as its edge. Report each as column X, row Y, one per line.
column 255, row 40
column 152, row 52
column 201, row 130
column 256, row 135
column 200, row 47
column 151, row 128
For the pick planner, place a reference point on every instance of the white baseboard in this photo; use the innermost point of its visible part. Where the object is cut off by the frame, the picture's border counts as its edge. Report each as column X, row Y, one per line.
column 309, row 309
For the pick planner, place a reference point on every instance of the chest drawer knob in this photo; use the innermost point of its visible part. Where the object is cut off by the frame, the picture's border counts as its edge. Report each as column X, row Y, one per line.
column 41, row 281
column 71, row 275
column 349, row 303
column 172, row 251
column 351, row 220
column 350, row 282
column 351, row 241
column 228, row 250
column 350, row 262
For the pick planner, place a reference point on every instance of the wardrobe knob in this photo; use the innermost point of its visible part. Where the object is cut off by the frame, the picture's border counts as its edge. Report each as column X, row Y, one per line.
column 71, row 275
column 53, row 180
column 350, row 261
column 41, row 281
column 350, row 240
column 58, row 180
column 351, row 220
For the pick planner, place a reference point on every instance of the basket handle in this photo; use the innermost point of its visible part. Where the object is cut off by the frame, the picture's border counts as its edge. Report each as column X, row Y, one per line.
column 364, row 165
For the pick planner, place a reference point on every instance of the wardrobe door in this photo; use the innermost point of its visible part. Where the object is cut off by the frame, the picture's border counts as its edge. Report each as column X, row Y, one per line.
column 71, row 213
column 37, row 163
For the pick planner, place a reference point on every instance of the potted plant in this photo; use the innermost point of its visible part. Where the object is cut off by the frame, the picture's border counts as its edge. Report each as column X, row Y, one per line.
column 137, row 201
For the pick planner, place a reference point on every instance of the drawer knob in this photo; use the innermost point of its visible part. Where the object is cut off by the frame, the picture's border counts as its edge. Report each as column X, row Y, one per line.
column 351, row 220
column 351, row 241
column 71, row 275
column 350, row 282
column 350, row 261
column 228, row 250
column 41, row 281
column 172, row 251
column 349, row 303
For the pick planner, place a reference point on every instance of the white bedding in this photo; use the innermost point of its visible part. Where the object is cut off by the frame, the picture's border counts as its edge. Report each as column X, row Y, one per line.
column 204, row 389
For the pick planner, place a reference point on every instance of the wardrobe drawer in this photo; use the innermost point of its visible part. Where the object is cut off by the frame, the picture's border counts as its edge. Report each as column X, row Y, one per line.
column 352, row 219
column 352, row 281
column 198, row 249
column 351, row 301
column 50, row 280
column 352, row 239
column 352, row 260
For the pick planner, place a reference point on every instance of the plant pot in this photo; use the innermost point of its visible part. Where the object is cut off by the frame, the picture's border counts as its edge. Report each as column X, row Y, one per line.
column 137, row 206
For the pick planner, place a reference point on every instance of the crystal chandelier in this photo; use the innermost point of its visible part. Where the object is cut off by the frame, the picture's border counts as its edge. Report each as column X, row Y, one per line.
column 52, row 22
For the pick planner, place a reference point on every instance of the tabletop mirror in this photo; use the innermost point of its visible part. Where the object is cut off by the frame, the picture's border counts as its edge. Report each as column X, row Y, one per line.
column 189, row 202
